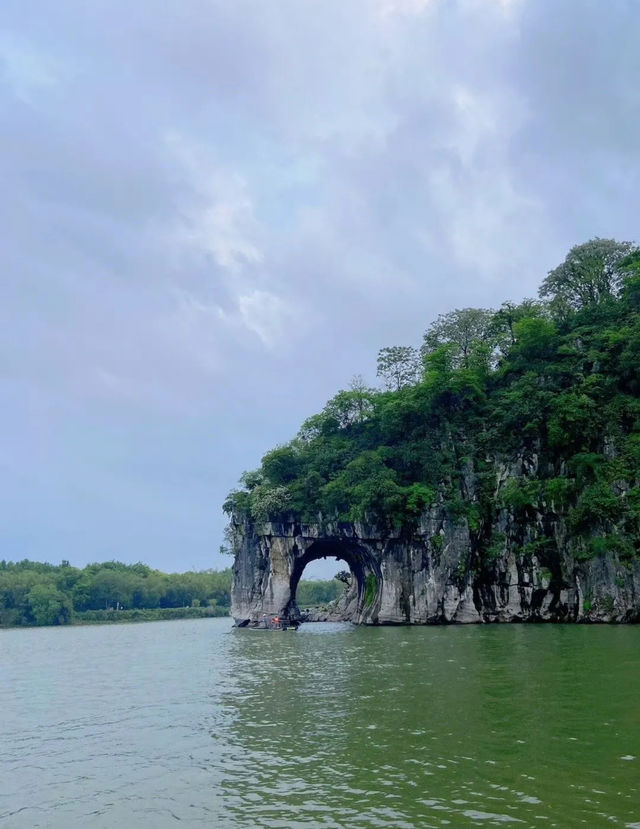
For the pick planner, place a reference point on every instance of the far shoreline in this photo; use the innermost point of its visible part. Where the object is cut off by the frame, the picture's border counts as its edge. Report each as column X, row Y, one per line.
column 136, row 616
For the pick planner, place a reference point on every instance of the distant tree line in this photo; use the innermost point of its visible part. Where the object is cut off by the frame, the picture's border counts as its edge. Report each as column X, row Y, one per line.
column 318, row 592
column 33, row 593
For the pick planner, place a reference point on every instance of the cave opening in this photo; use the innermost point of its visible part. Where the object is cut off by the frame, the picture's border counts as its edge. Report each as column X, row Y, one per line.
column 361, row 576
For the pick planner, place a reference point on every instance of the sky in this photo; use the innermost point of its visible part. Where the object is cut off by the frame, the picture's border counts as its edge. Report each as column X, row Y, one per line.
column 215, row 213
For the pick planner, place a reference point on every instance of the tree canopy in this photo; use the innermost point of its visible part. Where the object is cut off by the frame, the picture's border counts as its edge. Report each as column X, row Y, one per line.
column 46, row 594
column 555, row 378
column 590, row 273
column 399, row 366
column 461, row 331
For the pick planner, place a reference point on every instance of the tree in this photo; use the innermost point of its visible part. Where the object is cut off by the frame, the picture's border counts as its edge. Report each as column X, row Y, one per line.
column 269, row 502
column 362, row 397
column 590, row 273
column 251, row 479
column 49, row 606
column 460, row 331
column 110, row 587
column 347, row 408
column 399, row 366
column 508, row 315
column 280, row 465
column 630, row 268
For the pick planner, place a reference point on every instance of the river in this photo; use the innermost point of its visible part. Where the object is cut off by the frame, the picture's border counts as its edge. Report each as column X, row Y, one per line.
column 150, row 725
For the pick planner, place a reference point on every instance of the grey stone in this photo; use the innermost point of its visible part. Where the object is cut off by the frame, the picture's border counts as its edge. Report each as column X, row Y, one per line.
column 414, row 580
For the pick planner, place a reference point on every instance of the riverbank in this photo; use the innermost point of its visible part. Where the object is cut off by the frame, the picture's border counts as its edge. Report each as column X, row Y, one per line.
column 114, row 617
column 100, row 617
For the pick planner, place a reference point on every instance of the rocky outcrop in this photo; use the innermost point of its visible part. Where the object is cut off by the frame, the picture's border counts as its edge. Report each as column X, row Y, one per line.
column 271, row 558
column 437, row 574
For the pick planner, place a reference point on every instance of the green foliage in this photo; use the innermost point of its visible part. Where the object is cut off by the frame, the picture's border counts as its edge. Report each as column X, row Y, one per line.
column 590, row 274
column 49, row 606
column 548, row 389
column 462, row 331
column 33, row 593
column 597, row 506
column 461, row 571
column 587, row 465
column 630, row 269
column 536, row 341
column 269, row 502
column 558, row 491
column 370, row 588
column 158, row 614
column 494, row 548
column 399, row 366
column 417, row 498
column 608, row 603
column 281, row 465
column 607, row 544
column 319, row 592
column 504, row 321
column 570, row 420
column 520, row 494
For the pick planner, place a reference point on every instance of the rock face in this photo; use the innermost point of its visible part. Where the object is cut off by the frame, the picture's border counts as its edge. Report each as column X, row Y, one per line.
column 270, row 560
column 435, row 575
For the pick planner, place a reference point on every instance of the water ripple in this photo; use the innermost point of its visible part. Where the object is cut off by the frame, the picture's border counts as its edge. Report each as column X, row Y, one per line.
column 193, row 723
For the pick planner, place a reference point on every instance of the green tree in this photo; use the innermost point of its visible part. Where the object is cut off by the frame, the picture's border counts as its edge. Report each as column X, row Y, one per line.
column 49, row 606
column 460, row 331
column 507, row 317
column 590, row 273
column 269, row 502
column 281, row 465
column 348, row 408
column 112, row 588
column 399, row 366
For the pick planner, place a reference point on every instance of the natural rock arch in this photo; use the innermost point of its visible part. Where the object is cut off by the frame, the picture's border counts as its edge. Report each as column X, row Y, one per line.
column 433, row 576
column 362, row 597
column 268, row 567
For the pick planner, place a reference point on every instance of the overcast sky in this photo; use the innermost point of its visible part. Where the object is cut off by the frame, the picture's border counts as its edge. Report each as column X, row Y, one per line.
column 215, row 212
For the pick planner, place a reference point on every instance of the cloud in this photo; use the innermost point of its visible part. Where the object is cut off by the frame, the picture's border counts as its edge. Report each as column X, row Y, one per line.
column 218, row 216
column 26, row 70
column 267, row 315
column 217, row 221
column 387, row 8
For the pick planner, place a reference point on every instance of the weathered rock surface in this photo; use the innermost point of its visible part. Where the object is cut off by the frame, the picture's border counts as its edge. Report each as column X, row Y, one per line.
column 435, row 575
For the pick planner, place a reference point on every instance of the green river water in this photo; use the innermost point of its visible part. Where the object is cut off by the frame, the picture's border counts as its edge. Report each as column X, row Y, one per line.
column 193, row 723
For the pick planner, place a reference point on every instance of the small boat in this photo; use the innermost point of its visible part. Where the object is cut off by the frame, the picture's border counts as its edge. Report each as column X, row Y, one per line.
column 274, row 622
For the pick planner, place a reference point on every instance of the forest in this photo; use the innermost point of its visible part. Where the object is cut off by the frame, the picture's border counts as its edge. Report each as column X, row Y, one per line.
column 33, row 593
column 553, row 379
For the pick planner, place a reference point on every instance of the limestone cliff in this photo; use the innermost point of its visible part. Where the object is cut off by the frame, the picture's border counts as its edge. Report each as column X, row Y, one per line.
column 441, row 573
column 499, row 481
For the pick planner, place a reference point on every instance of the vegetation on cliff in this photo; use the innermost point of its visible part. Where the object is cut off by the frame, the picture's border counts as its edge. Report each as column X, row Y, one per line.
column 550, row 385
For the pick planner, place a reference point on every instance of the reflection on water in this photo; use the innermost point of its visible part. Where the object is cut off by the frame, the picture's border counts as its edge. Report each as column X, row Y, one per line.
column 332, row 726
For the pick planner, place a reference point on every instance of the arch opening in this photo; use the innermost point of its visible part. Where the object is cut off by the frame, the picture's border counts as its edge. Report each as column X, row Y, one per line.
column 361, row 599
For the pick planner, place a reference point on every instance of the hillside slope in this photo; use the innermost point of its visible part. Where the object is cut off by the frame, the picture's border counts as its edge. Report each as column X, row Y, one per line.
column 507, row 449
